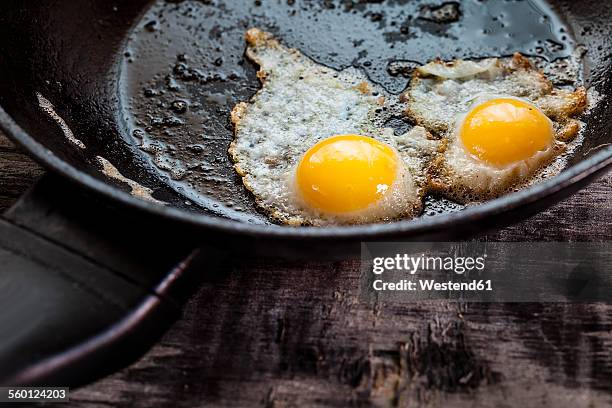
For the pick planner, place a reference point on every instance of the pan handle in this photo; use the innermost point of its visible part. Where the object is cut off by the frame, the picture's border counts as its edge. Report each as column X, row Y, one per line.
column 85, row 288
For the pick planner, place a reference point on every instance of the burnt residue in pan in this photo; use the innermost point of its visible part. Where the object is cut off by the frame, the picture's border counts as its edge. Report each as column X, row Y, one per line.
column 184, row 69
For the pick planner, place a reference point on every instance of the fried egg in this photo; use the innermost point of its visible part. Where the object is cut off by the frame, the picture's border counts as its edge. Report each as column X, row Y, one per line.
column 501, row 121
column 312, row 148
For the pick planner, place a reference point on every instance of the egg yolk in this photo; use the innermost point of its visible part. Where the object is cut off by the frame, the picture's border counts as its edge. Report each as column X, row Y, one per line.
column 505, row 130
column 346, row 173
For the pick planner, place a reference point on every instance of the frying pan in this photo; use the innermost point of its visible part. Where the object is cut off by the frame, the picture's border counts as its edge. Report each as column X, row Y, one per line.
column 127, row 103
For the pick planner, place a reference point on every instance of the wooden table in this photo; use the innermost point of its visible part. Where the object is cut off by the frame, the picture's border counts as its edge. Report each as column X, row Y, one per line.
column 280, row 334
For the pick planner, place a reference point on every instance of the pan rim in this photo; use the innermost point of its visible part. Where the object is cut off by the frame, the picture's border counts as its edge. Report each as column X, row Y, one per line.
column 597, row 163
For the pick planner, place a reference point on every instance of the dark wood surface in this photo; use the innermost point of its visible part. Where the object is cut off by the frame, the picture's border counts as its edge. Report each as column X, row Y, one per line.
column 282, row 334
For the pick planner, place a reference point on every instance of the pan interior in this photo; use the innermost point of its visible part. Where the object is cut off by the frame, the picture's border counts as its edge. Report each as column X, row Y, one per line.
column 184, row 69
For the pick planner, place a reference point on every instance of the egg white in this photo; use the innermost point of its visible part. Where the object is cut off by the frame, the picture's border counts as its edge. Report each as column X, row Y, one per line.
column 300, row 103
column 470, row 179
column 442, row 93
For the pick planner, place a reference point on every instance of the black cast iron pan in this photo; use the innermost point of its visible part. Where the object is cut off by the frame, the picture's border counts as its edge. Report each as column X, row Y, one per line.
column 90, row 269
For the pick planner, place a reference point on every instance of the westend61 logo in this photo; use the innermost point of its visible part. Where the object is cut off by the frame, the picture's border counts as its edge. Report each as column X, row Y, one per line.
column 412, row 264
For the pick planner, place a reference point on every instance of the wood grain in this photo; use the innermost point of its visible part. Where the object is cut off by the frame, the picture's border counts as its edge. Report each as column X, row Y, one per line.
column 17, row 172
column 283, row 334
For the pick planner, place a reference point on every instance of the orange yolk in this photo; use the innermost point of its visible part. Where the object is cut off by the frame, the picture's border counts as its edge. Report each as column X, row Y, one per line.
column 505, row 130
column 346, row 173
